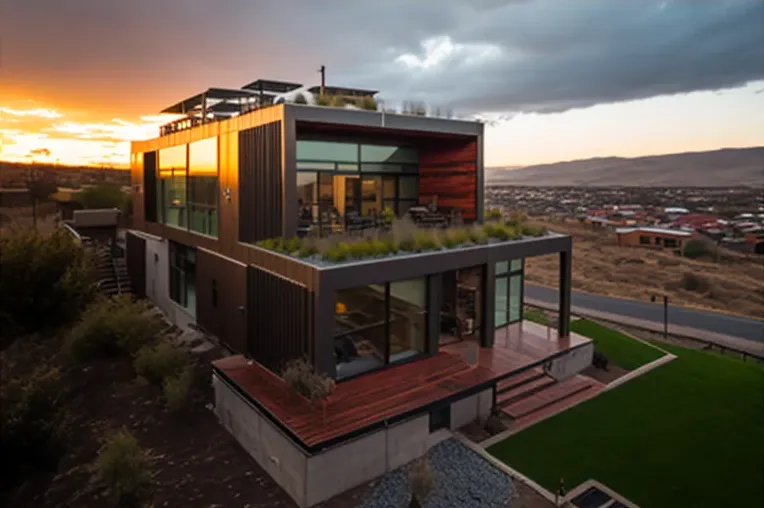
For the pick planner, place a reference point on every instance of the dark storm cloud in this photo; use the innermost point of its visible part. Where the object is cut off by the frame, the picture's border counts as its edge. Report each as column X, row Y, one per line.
column 495, row 55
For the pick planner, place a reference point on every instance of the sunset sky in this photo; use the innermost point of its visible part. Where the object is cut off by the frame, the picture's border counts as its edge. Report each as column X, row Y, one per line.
column 559, row 79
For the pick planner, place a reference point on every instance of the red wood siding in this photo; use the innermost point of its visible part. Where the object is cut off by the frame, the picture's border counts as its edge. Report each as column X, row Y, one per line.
column 448, row 171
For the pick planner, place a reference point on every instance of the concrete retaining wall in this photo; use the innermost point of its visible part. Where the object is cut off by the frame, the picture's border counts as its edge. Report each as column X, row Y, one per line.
column 312, row 479
column 470, row 408
column 570, row 364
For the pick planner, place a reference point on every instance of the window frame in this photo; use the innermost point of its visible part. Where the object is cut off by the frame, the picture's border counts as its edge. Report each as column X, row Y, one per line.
column 512, row 271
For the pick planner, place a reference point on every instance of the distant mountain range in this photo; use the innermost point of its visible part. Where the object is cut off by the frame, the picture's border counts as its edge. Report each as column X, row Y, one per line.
column 727, row 167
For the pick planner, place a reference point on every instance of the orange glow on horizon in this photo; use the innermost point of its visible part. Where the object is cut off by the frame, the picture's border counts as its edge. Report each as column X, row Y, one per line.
column 31, row 132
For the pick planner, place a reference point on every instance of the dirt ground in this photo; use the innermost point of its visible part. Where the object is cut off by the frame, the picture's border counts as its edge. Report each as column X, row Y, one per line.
column 195, row 462
column 735, row 284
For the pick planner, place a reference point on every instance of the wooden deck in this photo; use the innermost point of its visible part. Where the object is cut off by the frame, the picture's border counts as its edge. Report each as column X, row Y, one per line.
column 362, row 402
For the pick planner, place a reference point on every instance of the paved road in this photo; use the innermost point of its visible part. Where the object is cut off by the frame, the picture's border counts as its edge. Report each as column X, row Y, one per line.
column 749, row 329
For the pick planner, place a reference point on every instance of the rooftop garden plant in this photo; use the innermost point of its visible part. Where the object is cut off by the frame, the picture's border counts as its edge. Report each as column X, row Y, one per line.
column 403, row 236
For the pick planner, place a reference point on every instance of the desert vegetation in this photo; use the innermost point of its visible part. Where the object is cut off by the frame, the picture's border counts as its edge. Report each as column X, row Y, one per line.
column 403, row 236
column 724, row 280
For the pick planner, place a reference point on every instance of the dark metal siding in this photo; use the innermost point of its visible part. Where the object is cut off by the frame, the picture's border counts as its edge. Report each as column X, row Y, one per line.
column 150, row 186
column 279, row 315
column 260, row 186
column 221, row 299
column 135, row 259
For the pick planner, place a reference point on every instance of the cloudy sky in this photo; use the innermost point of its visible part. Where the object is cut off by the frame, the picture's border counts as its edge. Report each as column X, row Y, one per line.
column 559, row 79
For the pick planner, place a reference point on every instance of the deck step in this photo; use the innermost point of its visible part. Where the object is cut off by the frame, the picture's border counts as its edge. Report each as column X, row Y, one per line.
column 543, row 399
column 512, row 382
column 523, row 391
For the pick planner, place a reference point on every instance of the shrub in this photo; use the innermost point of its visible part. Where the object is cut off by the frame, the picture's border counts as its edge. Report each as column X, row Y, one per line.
column 124, row 467
column 367, row 103
column 497, row 231
column 379, row 248
column 361, row 249
column 426, row 240
column 323, row 100
column 517, row 218
column 388, row 215
column 337, row 101
column 105, row 195
column 112, row 326
column 694, row 282
column 32, row 424
column 477, row 235
column 529, row 230
column 698, row 247
column 299, row 375
column 422, row 482
column 45, row 281
column 158, row 362
column 177, row 389
column 307, row 250
column 338, row 252
column 493, row 214
column 292, row 245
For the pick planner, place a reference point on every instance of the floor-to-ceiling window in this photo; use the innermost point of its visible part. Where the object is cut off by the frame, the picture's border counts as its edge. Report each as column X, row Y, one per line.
column 508, row 302
column 203, row 186
column 172, row 185
column 377, row 325
column 338, row 183
column 187, row 186
column 183, row 276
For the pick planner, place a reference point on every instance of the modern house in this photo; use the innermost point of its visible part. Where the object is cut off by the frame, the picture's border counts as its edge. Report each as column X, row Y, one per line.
column 418, row 340
column 653, row 237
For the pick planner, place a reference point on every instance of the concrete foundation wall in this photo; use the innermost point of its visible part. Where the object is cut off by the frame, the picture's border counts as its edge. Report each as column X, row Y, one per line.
column 158, row 281
column 470, row 408
column 572, row 363
column 273, row 451
column 312, row 479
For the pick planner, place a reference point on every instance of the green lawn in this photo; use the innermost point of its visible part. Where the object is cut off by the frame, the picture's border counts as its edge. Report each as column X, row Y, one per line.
column 689, row 433
column 617, row 347
column 536, row 315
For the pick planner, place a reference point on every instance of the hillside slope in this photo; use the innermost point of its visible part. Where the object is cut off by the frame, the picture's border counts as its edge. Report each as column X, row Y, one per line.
column 718, row 168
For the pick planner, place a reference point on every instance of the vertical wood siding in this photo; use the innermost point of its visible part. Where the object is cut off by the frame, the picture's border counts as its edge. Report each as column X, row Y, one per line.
column 279, row 314
column 448, row 170
column 260, row 186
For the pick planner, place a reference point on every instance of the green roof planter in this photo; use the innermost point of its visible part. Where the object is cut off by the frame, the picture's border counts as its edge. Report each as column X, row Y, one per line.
column 403, row 238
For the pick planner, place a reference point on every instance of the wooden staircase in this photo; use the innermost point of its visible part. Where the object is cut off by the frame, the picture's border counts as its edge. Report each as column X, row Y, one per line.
column 110, row 271
column 533, row 395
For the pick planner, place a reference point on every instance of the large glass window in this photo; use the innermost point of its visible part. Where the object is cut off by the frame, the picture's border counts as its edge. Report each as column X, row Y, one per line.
column 389, row 179
column 203, row 186
column 379, row 324
column 508, row 304
column 326, row 151
column 183, row 276
column 172, row 174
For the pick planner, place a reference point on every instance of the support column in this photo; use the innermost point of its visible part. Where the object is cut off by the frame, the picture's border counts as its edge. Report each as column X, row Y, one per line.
column 566, row 274
column 435, row 295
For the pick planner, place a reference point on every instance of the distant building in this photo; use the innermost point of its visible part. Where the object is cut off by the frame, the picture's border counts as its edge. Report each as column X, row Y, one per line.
column 12, row 197
column 655, row 238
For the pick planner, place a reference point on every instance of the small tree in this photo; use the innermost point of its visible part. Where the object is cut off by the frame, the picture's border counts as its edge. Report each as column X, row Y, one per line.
column 44, row 281
column 422, row 483
column 493, row 214
column 124, row 467
column 300, row 376
column 105, row 195
column 40, row 188
column 698, row 247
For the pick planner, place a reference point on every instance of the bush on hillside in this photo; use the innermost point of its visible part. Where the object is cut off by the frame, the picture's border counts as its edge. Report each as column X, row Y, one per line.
column 124, row 467
column 159, row 362
column 177, row 389
column 105, row 195
column 113, row 326
column 45, row 281
column 698, row 248
column 32, row 424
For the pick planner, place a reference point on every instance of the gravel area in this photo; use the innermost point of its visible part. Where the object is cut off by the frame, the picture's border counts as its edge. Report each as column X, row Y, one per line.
column 464, row 480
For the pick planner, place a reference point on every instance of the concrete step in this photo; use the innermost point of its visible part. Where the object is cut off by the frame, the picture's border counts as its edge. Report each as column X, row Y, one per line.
column 544, row 399
column 523, row 391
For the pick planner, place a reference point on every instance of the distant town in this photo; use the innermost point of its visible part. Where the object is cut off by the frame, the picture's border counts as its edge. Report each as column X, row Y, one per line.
column 731, row 217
